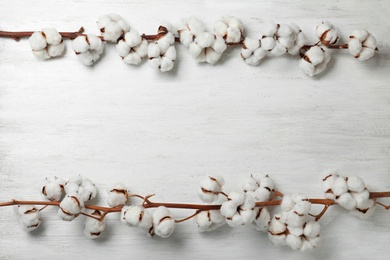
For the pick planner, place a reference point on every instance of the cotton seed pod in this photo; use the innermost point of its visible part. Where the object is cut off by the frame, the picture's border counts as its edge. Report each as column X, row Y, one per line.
column 70, row 207
column 362, row 45
column 46, row 44
column 53, row 188
column 93, row 227
column 326, row 33
column 210, row 188
column 315, row 60
column 28, row 217
column 117, row 195
column 88, row 48
column 112, row 27
column 163, row 223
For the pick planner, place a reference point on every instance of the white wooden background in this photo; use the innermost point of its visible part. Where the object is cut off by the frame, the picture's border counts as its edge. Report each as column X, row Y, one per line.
column 161, row 132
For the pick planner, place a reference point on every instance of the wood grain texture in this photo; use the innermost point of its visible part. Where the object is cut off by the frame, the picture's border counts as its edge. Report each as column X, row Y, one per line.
column 160, row 133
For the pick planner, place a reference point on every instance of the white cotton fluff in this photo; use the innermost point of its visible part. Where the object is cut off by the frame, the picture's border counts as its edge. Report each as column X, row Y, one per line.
column 262, row 219
column 328, row 184
column 70, row 207
column 132, row 48
column 112, row 27
column 47, row 44
column 276, row 232
column 117, row 196
column 81, row 186
column 315, row 60
column 209, row 220
column 53, row 188
column 251, row 52
column 362, row 45
column 210, row 188
column 261, row 186
column 347, row 201
column 355, row 183
column 239, row 209
column 279, row 39
column 188, row 29
column 163, row 223
column 339, row 186
column 296, row 203
column 312, row 229
column 294, row 242
column 139, row 217
column 230, row 28
column 88, row 48
column 326, row 33
column 28, row 217
column 365, row 210
column 287, row 203
column 93, row 227
column 162, row 53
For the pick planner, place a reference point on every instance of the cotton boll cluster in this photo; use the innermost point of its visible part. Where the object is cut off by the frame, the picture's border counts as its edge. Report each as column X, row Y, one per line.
column 239, row 208
column 28, row 216
column 229, row 28
column 327, row 34
column 47, row 44
column 82, row 187
column 88, row 48
column 132, row 48
column 53, row 188
column 251, row 51
column 350, row 193
column 315, row 60
column 117, row 196
column 279, row 39
column 203, row 46
column 261, row 188
column 210, row 188
column 362, row 45
column 162, row 53
column 112, row 27
column 93, row 227
column 70, row 207
column 293, row 227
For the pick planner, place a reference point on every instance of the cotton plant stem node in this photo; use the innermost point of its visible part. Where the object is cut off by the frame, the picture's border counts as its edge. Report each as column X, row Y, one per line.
column 204, row 46
column 294, row 225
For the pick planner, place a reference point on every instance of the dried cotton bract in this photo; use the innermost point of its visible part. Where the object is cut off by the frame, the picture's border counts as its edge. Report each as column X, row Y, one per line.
column 362, row 45
column 47, row 44
column 88, row 48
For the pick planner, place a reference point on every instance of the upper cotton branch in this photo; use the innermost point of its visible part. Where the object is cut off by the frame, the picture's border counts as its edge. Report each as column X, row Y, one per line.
column 275, row 40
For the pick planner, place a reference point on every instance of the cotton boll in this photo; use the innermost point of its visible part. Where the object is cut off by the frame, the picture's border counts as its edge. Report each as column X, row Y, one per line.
column 153, row 50
column 314, row 61
column 365, row 210
column 370, row 42
column 267, row 43
column 302, row 208
column 278, row 49
column 361, row 198
column 361, row 35
column 220, row 28
column 210, row 187
column 355, row 184
column 53, row 188
column 70, row 207
column 112, row 27
column 267, row 183
column 52, row 36
column 204, row 39
column 262, row 219
column 203, row 220
column 316, row 55
column 30, row 221
column 142, row 49
column 228, row 209
column 155, row 62
column 347, row 201
column 212, row 56
column 366, row 54
column 122, row 48
column 132, row 58
column 41, row 55
column 186, row 37
column 233, row 35
column 219, row 44
column 287, row 203
column 93, row 227
column 328, row 181
column 249, row 184
column 166, row 64
column 299, row 43
column 95, row 43
column 294, row 219
column 340, row 186
column 56, row 50
column 296, row 231
column 133, row 214
column 87, row 191
column 354, row 47
column 86, row 58
column 37, row 41
column 276, row 225
column 195, row 49
column 80, row 44
column 165, row 42
column 133, row 38
column 262, row 194
column 286, row 42
column 117, row 195
column 252, row 60
column 270, row 28
column 307, row 67
column 171, row 53
column 312, row 229
column 163, row 223
column 294, row 242
column 326, row 33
